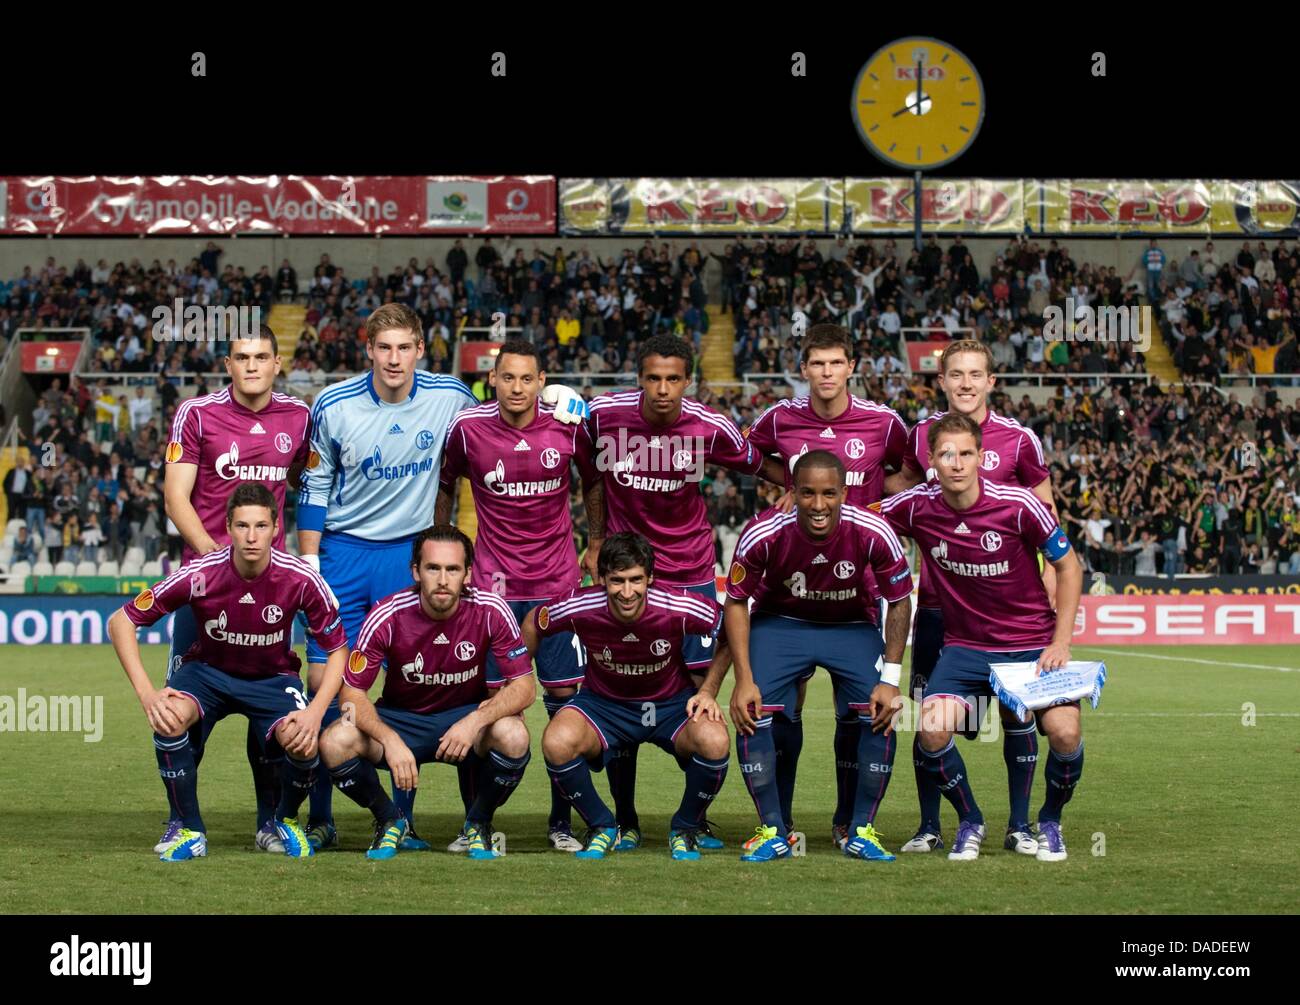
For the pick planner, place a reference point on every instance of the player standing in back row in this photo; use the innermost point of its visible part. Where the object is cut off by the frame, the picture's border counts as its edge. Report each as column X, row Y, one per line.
column 245, row 432
column 517, row 459
column 651, row 448
column 870, row 440
column 1011, row 455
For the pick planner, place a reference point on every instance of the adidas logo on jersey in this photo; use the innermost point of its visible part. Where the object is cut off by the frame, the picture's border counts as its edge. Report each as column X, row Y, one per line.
column 441, row 640
column 396, row 429
column 522, row 445
column 827, row 433
column 630, row 637
column 962, row 528
column 247, row 598
column 257, row 428
column 820, row 560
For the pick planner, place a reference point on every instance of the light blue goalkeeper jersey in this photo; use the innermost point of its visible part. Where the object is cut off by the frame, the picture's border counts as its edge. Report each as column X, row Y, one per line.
column 373, row 470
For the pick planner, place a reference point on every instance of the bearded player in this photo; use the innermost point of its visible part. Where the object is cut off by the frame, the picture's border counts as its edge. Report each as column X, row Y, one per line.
column 1011, row 455
column 378, row 441
column 637, row 690
column 444, row 699
column 246, row 595
column 651, row 449
column 809, row 575
column 870, row 440
column 517, row 459
column 245, row 432
column 979, row 541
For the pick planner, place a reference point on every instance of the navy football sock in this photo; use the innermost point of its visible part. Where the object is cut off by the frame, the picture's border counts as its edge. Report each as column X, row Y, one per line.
column 561, row 815
column 948, row 771
column 359, row 781
column 266, row 777
column 1062, row 774
column 757, row 757
column 404, row 799
column 847, row 732
column 621, row 770
column 704, row 780
column 181, row 778
column 927, row 791
column 498, row 776
column 787, row 736
column 297, row 779
column 875, row 758
column 467, row 780
column 320, row 808
column 1020, row 751
column 574, row 780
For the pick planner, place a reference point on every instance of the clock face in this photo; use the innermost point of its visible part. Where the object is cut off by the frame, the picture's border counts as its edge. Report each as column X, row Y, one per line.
column 918, row 103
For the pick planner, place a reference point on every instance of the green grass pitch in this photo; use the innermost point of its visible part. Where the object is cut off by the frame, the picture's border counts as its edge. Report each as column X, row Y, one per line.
column 1191, row 801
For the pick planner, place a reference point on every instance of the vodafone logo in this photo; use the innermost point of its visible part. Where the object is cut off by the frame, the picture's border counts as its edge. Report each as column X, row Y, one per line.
column 517, row 200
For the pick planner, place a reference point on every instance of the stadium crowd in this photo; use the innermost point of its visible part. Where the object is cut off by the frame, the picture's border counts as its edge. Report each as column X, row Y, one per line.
column 1150, row 481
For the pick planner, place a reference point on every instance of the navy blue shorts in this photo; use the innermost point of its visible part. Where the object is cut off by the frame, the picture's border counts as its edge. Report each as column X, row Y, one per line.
column 963, row 674
column 421, row 731
column 360, row 574
column 561, row 661
column 185, row 632
column 265, row 701
column 783, row 651
column 927, row 641
column 623, row 724
column 697, row 650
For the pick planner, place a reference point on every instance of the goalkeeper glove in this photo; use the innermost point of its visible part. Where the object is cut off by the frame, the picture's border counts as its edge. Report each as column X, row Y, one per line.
column 569, row 405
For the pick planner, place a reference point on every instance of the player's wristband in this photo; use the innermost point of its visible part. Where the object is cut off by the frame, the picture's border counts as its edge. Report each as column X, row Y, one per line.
column 892, row 674
column 312, row 560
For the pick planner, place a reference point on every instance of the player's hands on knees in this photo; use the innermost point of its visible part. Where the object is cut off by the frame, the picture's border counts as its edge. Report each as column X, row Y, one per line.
column 401, row 763
column 1054, row 657
column 785, row 502
column 703, row 706
column 164, row 717
column 884, row 703
column 300, row 733
column 458, row 741
column 746, row 707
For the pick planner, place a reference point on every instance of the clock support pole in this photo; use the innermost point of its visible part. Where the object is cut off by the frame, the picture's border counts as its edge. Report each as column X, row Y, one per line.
column 916, row 211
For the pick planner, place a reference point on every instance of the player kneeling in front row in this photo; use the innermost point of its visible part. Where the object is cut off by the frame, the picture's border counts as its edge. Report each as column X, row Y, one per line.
column 245, row 596
column 637, row 689
column 979, row 542
column 810, row 575
column 443, row 700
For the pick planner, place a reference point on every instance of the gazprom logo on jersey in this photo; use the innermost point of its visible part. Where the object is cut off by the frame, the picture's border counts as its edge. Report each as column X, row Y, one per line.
column 629, row 458
column 216, row 629
column 373, row 468
column 940, row 556
column 228, row 467
column 495, row 479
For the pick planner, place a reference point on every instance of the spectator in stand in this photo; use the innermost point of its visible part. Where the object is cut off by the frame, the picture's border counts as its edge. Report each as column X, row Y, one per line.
column 286, row 281
column 24, row 546
column 140, row 409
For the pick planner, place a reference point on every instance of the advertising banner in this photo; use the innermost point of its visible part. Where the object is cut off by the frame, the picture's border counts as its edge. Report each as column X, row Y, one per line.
column 1152, row 619
column 887, row 205
column 288, row 204
column 1201, row 585
column 36, row 620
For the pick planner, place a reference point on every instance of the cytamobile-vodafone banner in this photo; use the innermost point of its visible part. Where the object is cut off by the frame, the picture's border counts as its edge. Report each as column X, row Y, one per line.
column 1183, row 620
column 288, row 204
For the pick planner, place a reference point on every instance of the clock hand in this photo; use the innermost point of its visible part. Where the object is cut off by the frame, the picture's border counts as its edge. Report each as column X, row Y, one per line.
column 918, row 88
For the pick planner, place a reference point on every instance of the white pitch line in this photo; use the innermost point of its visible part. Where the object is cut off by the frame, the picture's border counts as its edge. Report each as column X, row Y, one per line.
column 1188, row 659
column 1199, row 715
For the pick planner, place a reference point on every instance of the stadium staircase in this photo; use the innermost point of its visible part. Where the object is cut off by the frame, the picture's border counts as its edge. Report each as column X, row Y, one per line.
column 286, row 320
column 718, row 348
column 1160, row 362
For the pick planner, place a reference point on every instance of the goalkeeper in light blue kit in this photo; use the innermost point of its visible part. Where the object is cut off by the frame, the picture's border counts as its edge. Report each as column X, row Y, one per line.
column 370, row 487
column 979, row 542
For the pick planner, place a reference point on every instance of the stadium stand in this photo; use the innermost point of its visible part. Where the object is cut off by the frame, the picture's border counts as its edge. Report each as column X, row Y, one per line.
column 1172, row 460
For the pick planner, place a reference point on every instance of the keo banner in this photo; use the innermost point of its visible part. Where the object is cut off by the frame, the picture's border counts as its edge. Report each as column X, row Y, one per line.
column 278, row 204
column 1170, row 620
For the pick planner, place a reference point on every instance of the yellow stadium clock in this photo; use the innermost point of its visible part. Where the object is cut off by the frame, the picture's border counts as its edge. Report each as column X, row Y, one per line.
column 918, row 103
